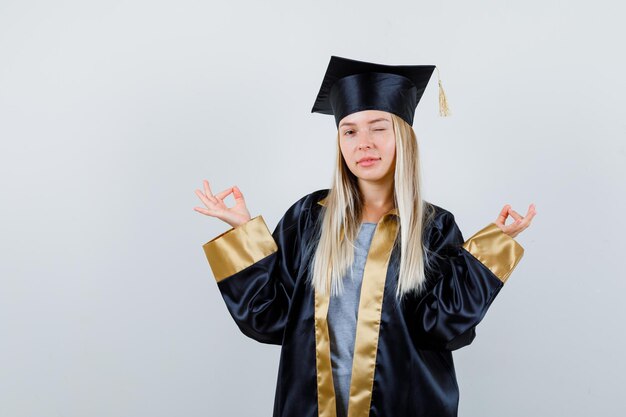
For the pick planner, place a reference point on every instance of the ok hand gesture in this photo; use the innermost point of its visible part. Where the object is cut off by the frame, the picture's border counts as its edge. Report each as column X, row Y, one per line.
column 215, row 206
column 520, row 223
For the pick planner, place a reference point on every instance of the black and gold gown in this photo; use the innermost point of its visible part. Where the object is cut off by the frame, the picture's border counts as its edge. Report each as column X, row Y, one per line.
column 402, row 362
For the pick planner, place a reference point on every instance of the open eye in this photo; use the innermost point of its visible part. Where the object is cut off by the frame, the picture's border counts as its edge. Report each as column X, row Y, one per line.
column 348, row 132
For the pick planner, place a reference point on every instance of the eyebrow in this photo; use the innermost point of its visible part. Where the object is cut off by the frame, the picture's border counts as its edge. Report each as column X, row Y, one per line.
column 381, row 119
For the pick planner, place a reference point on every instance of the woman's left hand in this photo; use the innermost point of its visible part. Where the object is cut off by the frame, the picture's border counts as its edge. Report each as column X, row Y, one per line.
column 520, row 223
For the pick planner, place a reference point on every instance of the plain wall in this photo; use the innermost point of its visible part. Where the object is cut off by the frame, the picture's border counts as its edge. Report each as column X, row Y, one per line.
column 113, row 112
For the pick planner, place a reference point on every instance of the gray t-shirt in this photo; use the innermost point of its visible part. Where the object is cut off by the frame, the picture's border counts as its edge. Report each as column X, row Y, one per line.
column 342, row 319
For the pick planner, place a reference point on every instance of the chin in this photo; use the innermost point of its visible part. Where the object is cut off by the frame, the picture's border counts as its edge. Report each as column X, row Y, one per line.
column 371, row 177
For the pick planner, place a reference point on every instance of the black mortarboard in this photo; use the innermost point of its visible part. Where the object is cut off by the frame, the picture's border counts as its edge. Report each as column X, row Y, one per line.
column 350, row 86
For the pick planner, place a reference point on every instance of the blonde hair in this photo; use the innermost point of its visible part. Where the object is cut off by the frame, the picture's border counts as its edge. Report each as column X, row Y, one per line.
column 341, row 217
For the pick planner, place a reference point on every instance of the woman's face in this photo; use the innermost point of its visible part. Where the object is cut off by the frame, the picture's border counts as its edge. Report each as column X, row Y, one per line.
column 368, row 134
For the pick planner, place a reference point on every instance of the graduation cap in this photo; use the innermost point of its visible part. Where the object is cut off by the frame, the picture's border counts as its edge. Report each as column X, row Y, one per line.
column 350, row 86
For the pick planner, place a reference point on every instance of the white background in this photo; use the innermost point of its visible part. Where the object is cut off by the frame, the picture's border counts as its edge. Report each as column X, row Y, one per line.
column 113, row 112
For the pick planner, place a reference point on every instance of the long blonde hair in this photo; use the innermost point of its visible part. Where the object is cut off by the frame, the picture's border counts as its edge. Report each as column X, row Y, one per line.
column 341, row 219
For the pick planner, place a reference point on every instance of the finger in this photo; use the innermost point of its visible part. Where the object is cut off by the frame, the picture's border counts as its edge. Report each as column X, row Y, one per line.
column 207, row 188
column 522, row 224
column 222, row 195
column 520, row 230
column 513, row 229
column 515, row 214
column 205, row 199
column 531, row 211
column 237, row 193
column 528, row 219
column 208, row 193
column 503, row 215
column 203, row 211
column 522, row 221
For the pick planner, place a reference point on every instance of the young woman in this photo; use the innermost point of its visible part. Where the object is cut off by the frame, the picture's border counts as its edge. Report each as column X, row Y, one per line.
column 367, row 287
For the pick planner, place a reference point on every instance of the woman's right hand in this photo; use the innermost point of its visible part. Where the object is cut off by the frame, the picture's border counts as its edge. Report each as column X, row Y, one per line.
column 215, row 207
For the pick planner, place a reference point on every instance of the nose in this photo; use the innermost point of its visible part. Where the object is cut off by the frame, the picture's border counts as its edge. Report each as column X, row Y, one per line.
column 365, row 141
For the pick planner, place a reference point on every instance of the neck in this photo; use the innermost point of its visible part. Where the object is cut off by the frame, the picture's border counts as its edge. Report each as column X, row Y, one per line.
column 377, row 199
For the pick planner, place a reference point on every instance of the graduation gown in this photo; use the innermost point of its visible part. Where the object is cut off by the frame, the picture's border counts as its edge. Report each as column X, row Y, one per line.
column 403, row 362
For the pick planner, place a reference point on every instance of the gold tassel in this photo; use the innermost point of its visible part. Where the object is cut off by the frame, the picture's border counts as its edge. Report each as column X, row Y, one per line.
column 444, row 111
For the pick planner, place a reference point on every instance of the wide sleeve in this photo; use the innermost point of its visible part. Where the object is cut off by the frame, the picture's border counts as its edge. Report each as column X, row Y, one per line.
column 256, row 272
column 467, row 276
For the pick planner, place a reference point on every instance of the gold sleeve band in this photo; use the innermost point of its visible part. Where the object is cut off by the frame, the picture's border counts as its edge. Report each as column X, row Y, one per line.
column 239, row 247
column 496, row 250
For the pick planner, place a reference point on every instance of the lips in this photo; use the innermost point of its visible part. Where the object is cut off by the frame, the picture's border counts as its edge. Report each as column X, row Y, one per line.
column 367, row 158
